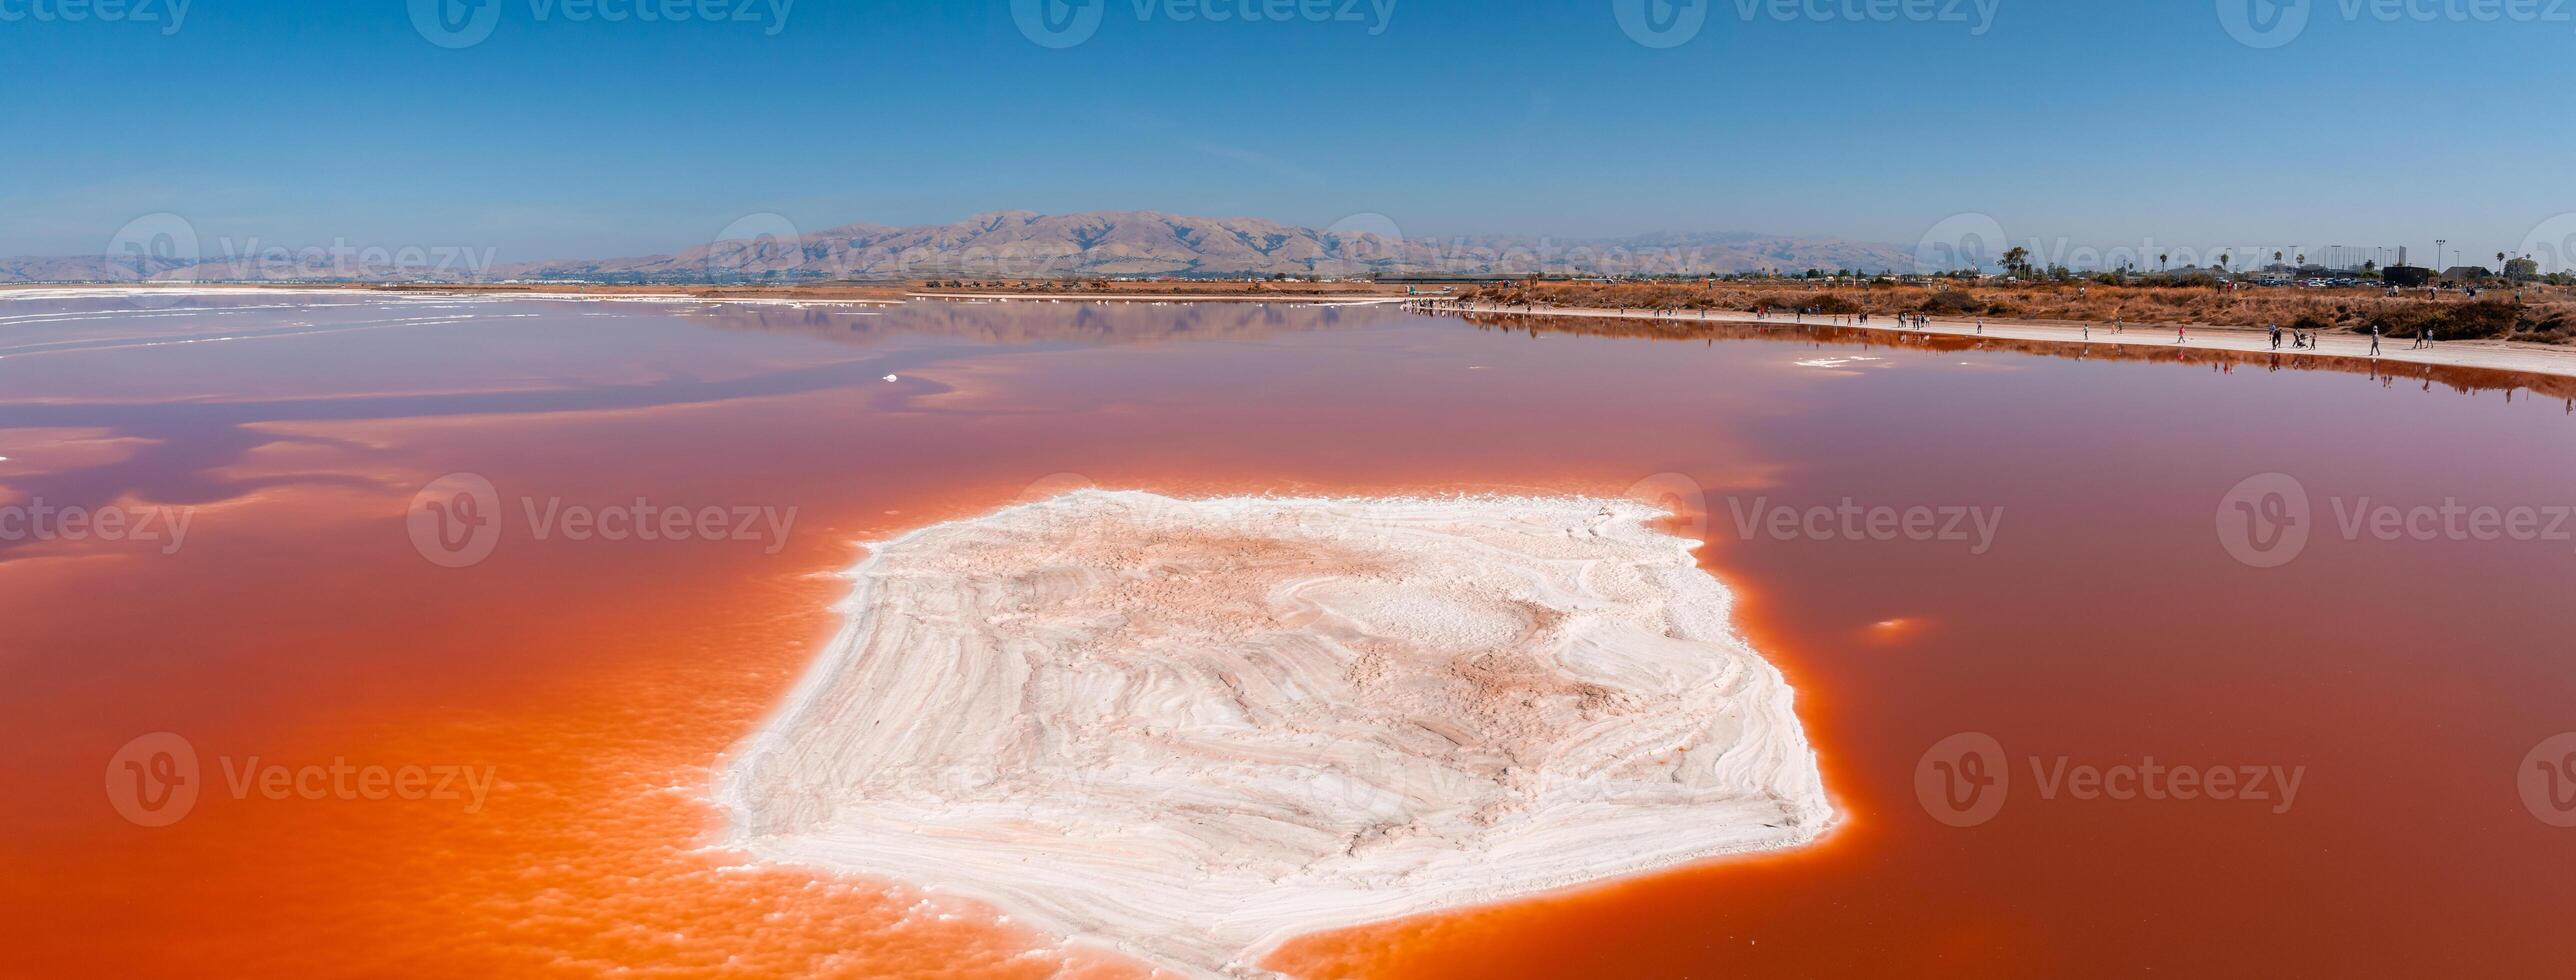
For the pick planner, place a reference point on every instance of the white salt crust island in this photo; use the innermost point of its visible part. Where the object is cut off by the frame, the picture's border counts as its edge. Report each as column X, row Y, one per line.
column 1192, row 729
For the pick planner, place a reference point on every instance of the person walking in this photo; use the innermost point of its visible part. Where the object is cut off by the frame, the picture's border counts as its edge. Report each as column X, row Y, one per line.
column 2275, row 329
column 2374, row 340
column 2182, row 333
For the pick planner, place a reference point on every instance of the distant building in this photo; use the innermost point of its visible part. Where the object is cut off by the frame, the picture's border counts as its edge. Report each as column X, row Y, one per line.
column 2467, row 273
column 2406, row 275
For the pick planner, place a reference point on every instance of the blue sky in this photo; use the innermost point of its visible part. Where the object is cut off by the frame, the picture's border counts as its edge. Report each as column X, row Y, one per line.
column 561, row 132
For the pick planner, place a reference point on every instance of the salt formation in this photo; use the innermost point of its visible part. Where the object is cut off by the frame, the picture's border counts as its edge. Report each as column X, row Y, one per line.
column 1192, row 729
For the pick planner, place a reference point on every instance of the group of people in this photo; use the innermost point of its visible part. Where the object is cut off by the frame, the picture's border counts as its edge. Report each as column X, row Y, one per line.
column 2302, row 340
column 2308, row 340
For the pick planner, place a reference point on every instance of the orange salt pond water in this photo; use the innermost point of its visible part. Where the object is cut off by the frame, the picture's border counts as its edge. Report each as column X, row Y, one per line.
column 2074, row 590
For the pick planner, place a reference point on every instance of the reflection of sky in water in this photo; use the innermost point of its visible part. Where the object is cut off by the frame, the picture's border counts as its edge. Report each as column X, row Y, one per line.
column 191, row 375
column 190, row 379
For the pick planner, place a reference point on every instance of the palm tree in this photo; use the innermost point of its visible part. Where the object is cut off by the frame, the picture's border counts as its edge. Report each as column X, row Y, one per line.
column 2160, row 261
column 2222, row 261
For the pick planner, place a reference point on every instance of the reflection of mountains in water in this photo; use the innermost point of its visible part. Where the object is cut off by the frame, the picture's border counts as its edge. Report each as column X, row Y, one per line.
column 2467, row 380
column 1028, row 322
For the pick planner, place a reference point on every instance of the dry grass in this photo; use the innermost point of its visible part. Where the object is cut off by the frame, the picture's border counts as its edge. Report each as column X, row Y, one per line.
column 2542, row 313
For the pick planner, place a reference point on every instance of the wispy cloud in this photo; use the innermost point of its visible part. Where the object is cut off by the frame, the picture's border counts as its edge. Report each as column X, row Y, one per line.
column 1264, row 161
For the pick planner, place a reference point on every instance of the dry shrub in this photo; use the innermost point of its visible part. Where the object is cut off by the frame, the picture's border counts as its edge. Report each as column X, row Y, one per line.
column 2534, row 313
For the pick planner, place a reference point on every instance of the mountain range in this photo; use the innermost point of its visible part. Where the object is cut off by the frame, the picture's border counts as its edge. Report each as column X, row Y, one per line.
column 1009, row 244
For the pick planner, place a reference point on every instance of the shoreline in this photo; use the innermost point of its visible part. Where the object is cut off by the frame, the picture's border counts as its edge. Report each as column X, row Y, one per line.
column 675, row 294
column 2508, row 356
column 2524, row 358
column 885, row 293
column 1327, row 299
